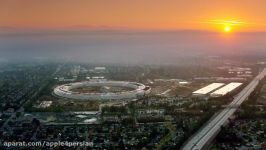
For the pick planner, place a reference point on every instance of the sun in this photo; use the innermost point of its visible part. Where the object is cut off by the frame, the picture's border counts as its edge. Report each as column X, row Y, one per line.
column 227, row 28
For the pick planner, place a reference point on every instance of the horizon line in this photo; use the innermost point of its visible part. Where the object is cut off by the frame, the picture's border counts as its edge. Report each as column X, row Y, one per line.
column 12, row 29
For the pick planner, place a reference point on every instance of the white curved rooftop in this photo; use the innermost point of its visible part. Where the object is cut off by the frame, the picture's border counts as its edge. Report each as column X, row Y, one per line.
column 65, row 90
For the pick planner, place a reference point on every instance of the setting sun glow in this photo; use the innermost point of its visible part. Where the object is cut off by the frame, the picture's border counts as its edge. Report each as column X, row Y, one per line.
column 227, row 28
column 227, row 25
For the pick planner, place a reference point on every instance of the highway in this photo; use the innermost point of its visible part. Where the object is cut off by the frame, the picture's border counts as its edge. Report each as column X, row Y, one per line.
column 206, row 134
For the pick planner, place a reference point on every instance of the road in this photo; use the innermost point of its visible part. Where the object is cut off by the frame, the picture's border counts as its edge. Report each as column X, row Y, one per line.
column 213, row 126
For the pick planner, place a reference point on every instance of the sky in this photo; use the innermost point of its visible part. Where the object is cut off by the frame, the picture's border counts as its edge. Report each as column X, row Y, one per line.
column 124, row 47
column 134, row 14
column 131, row 31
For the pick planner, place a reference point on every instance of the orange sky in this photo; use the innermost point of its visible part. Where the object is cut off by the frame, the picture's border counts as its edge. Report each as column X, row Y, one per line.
column 147, row 14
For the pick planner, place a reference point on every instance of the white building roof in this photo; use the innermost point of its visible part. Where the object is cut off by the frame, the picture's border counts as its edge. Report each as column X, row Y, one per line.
column 92, row 120
column 207, row 89
column 226, row 89
column 99, row 68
